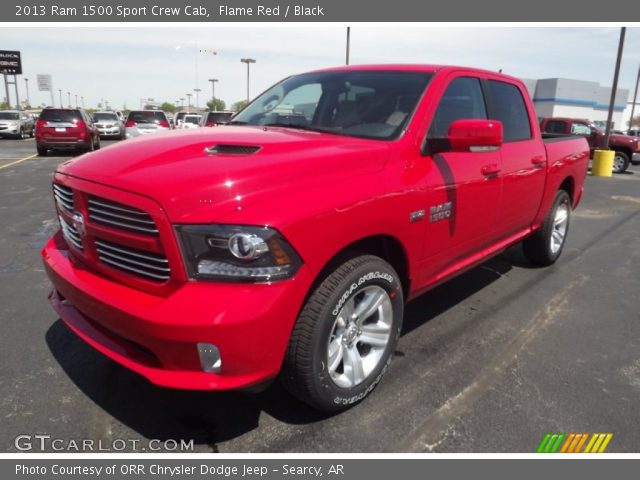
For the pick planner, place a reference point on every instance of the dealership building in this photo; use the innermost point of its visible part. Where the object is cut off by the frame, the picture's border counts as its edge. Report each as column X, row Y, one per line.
column 565, row 97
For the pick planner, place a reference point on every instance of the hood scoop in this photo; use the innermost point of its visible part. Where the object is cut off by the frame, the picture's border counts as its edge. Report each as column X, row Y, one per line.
column 225, row 149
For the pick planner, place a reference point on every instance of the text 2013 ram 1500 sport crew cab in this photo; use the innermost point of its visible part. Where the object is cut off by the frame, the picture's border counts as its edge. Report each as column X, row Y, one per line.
column 288, row 242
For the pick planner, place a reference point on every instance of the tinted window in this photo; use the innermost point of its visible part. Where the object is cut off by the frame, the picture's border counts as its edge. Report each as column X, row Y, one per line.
column 510, row 109
column 369, row 104
column 105, row 116
column 555, row 126
column 147, row 117
column 53, row 115
column 9, row 116
column 192, row 119
column 219, row 117
column 462, row 99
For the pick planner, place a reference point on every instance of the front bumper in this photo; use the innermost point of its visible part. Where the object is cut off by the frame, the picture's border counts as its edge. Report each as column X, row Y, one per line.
column 64, row 145
column 635, row 158
column 157, row 336
column 110, row 132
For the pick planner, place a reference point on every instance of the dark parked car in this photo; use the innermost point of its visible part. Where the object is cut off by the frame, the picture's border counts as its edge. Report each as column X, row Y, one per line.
column 66, row 129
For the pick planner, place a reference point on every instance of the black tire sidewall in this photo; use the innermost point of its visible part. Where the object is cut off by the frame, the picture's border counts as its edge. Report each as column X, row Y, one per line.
column 377, row 273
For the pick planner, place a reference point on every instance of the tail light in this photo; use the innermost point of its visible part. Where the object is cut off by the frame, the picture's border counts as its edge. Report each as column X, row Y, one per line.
column 40, row 123
column 83, row 128
column 130, row 123
column 211, row 124
column 164, row 124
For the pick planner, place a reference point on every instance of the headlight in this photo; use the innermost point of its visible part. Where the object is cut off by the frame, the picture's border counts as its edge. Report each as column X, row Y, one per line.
column 236, row 253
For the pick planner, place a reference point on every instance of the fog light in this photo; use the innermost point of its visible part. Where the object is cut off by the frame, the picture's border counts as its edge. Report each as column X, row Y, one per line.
column 210, row 359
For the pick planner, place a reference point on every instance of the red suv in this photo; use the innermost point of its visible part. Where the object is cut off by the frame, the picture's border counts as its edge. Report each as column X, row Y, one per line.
column 66, row 129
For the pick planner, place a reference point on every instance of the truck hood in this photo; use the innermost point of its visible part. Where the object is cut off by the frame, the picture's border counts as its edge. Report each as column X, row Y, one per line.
column 243, row 165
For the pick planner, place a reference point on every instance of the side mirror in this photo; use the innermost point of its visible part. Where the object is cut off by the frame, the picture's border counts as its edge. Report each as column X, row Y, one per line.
column 475, row 135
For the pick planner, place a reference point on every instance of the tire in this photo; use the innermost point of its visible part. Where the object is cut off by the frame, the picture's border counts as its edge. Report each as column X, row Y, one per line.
column 322, row 362
column 620, row 162
column 98, row 144
column 545, row 245
column 42, row 152
column 21, row 135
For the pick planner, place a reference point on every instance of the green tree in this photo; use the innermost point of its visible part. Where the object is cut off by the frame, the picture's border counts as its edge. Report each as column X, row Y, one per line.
column 168, row 107
column 217, row 104
column 239, row 105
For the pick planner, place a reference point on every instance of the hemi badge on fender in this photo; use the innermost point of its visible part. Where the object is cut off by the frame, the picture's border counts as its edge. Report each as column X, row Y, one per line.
column 417, row 216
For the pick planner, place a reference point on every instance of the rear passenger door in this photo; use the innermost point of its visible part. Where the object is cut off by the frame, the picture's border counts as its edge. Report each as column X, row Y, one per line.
column 523, row 156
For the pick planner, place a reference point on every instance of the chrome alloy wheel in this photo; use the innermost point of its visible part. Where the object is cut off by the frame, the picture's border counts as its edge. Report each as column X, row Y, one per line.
column 359, row 336
column 618, row 164
column 559, row 230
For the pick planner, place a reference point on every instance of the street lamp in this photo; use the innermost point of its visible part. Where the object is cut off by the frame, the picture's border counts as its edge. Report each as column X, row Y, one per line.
column 69, row 98
column 82, row 100
column 188, row 100
column 197, row 90
column 26, row 82
column 248, row 61
column 60, row 91
column 76, row 100
column 213, row 92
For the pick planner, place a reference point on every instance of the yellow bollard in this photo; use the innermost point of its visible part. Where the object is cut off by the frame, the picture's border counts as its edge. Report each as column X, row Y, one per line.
column 602, row 165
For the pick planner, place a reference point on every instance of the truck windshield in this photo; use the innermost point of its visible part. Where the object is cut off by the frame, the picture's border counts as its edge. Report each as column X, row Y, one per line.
column 9, row 116
column 367, row 104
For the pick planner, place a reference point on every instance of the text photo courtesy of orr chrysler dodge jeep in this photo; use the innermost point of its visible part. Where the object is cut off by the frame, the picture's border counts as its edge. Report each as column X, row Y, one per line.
column 286, row 243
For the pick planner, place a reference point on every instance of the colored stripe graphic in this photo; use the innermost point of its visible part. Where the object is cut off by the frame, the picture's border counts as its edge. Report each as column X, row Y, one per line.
column 573, row 442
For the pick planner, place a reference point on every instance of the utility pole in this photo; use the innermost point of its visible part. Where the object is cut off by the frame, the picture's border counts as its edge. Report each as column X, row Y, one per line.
column 213, row 92
column 614, row 89
column 60, row 92
column 188, row 100
column 348, row 43
column 197, row 90
column 69, row 99
column 635, row 96
column 248, row 61
column 76, row 100
column 26, row 83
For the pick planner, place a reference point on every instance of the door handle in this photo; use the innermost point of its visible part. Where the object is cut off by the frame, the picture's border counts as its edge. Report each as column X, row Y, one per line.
column 490, row 170
column 538, row 161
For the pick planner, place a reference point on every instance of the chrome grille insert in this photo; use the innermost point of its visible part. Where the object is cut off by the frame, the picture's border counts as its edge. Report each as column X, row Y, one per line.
column 145, row 264
column 63, row 196
column 120, row 216
column 70, row 234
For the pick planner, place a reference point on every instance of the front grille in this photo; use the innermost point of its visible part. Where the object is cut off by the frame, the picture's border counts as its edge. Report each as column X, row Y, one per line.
column 63, row 196
column 149, row 265
column 120, row 216
column 70, row 234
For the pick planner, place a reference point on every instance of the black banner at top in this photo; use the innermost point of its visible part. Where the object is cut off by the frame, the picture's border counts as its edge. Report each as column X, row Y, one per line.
column 213, row 11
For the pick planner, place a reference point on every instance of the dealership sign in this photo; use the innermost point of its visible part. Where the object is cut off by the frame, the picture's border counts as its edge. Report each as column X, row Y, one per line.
column 10, row 62
column 44, row 82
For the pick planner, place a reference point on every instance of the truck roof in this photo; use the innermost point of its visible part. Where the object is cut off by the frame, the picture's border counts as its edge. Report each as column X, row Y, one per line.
column 411, row 67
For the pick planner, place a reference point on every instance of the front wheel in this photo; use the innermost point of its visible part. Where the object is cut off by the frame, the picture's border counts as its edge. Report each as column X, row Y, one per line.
column 545, row 245
column 620, row 162
column 344, row 338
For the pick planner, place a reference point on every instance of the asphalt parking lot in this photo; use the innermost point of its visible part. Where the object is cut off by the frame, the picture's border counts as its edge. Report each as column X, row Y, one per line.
column 488, row 362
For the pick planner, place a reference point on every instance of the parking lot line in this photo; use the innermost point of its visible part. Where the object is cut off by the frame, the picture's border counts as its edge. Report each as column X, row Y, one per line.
column 18, row 161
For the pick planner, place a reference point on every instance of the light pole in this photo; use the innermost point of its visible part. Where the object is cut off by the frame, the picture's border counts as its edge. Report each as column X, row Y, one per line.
column 181, row 103
column 69, row 98
column 82, row 100
column 348, row 43
column 189, row 100
column 633, row 105
column 197, row 90
column 248, row 61
column 26, row 83
column 60, row 91
column 614, row 89
column 213, row 92
column 76, row 100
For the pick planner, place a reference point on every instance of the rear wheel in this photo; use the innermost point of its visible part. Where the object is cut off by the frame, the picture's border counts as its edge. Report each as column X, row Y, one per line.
column 21, row 135
column 620, row 162
column 344, row 338
column 545, row 245
column 98, row 144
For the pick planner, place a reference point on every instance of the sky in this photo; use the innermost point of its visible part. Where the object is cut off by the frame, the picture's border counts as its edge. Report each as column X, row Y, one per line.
column 125, row 64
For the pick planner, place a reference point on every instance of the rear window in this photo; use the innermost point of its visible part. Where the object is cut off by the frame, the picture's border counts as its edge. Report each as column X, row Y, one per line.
column 192, row 119
column 555, row 126
column 9, row 116
column 98, row 117
column 60, row 115
column 219, row 117
column 147, row 117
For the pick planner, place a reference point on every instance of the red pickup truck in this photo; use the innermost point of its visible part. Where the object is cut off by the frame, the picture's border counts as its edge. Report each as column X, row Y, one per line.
column 287, row 243
column 627, row 147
